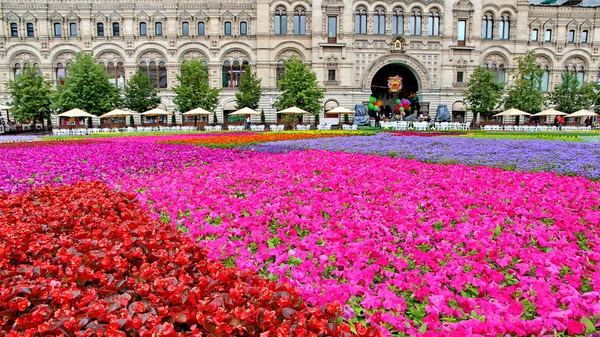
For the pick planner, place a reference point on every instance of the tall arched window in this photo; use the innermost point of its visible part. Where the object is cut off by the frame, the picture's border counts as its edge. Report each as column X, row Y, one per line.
column 158, row 28
column 17, row 69
column 299, row 21
column 14, row 30
column 398, row 22
column 487, row 27
column 279, row 71
column 580, row 74
column 157, row 72
column 143, row 30
column 243, row 28
column 61, row 73
column 100, row 29
column 201, row 28
column 433, row 24
column 545, row 79
column 72, row 29
column 415, row 23
column 360, row 21
column 280, row 21
column 379, row 21
column 30, row 31
column 116, row 29
column 57, row 29
column 144, row 68
column 185, row 28
column 504, row 28
column 227, row 28
column 226, row 74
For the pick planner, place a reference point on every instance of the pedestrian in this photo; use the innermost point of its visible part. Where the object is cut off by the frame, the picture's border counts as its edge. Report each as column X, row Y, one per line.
column 377, row 125
column 248, row 122
column 588, row 121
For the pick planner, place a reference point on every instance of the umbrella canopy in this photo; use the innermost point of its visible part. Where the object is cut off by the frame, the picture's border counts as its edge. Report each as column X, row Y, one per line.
column 156, row 112
column 294, row 110
column 75, row 113
column 5, row 107
column 117, row 113
column 197, row 111
column 513, row 112
column 245, row 111
column 340, row 110
column 550, row 112
column 583, row 113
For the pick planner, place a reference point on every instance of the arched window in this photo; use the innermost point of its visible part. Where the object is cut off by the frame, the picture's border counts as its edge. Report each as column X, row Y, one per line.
column 487, row 27
column 14, row 30
column 545, row 79
column 17, row 69
column 580, row 74
column 201, row 28
column 243, row 28
column 116, row 29
column 571, row 36
column 504, row 28
column 30, row 31
column 227, row 28
column 61, row 73
column 158, row 28
column 535, row 35
column 584, row 36
column 360, row 21
column 143, row 31
column 398, row 22
column 379, row 21
column 116, row 73
column 185, row 28
column 279, row 71
column 280, row 22
column 226, row 74
column 415, row 23
column 72, row 29
column 100, row 29
column 299, row 21
column 144, row 68
column 157, row 72
column 57, row 29
column 433, row 24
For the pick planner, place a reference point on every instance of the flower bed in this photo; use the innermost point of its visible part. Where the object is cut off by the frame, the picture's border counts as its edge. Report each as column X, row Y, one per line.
column 419, row 248
column 82, row 260
column 536, row 155
column 242, row 139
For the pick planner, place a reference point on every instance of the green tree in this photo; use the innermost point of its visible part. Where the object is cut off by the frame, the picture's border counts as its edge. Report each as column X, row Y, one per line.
column 87, row 87
column 525, row 94
column 30, row 93
column 483, row 92
column 249, row 90
column 571, row 95
column 299, row 88
column 140, row 94
column 194, row 90
column 262, row 116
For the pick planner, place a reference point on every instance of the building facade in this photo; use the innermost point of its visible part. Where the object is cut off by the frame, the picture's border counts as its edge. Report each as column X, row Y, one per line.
column 353, row 46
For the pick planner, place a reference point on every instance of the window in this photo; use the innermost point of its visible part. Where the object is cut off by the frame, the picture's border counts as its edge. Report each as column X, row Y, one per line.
column 332, row 29
column 280, row 22
column 116, row 74
column 243, row 28
column 397, row 22
column 185, row 29
column 534, row 34
column 379, row 22
column 72, row 29
column 61, row 73
column 545, row 79
column 487, row 27
column 331, row 75
column 100, row 29
column 415, row 23
column 299, row 21
column 279, row 71
column 227, row 28
column 460, row 77
column 57, row 29
column 158, row 28
column 17, row 70
column 156, row 72
column 504, row 28
column 200, row 28
column 14, row 30
column 433, row 24
column 143, row 31
column 584, row 36
column 232, row 72
column 580, row 75
column 30, row 31
column 498, row 71
column 548, row 35
column 360, row 21
column 462, row 32
column 571, row 37
column 116, row 29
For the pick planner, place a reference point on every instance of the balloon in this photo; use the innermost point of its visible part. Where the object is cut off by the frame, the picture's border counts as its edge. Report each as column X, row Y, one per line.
column 397, row 108
column 372, row 99
column 401, row 109
column 370, row 106
column 379, row 104
column 376, row 108
column 397, row 100
column 408, row 103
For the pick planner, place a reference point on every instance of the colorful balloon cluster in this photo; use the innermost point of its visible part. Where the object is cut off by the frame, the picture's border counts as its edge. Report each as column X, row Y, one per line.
column 374, row 104
column 402, row 105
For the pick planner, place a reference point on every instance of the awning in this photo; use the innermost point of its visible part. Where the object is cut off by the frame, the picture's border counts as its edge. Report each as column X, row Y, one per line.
column 459, row 106
column 229, row 106
column 329, row 105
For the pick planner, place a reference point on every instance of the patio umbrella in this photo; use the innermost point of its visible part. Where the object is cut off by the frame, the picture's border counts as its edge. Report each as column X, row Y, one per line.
column 196, row 112
column 75, row 113
column 294, row 111
column 117, row 113
column 340, row 110
column 156, row 112
column 550, row 112
column 583, row 113
column 5, row 107
column 513, row 112
column 244, row 112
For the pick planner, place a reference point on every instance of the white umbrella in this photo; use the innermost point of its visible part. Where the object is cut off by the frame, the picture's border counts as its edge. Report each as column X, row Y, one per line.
column 117, row 113
column 197, row 111
column 583, row 113
column 244, row 111
column 5, row 107
column 513, row 112
column 550, row 112
column 340, row 110
column 294, row 111
column 156, row 112
column 75, row 113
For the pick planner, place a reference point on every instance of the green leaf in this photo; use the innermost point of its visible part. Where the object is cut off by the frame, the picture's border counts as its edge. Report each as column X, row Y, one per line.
column 590, row 326
column 423, row 328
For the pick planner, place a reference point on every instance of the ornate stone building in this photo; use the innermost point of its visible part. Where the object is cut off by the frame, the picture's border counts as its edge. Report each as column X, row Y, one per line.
column 353, row 46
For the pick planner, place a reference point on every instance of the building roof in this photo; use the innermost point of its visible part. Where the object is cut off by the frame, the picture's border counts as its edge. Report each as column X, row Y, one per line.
column 579, row 3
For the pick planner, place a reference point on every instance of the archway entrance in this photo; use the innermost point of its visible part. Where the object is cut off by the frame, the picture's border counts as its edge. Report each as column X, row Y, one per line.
column 380, row 89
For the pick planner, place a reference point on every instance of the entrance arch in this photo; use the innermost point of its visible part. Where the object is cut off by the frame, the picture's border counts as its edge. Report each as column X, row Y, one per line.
column 411, row 64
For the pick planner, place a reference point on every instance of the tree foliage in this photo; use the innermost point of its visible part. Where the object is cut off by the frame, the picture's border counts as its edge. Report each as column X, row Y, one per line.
column 299, row 88
column 249, row 90
column 194, row 90
column 86, row 87
column 30, row 93
column 525, row 94
column 140, row 94
column 571, row 95
column 483, row 92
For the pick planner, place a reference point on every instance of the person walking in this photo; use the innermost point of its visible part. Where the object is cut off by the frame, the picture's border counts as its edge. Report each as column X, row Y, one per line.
column 248, row 122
